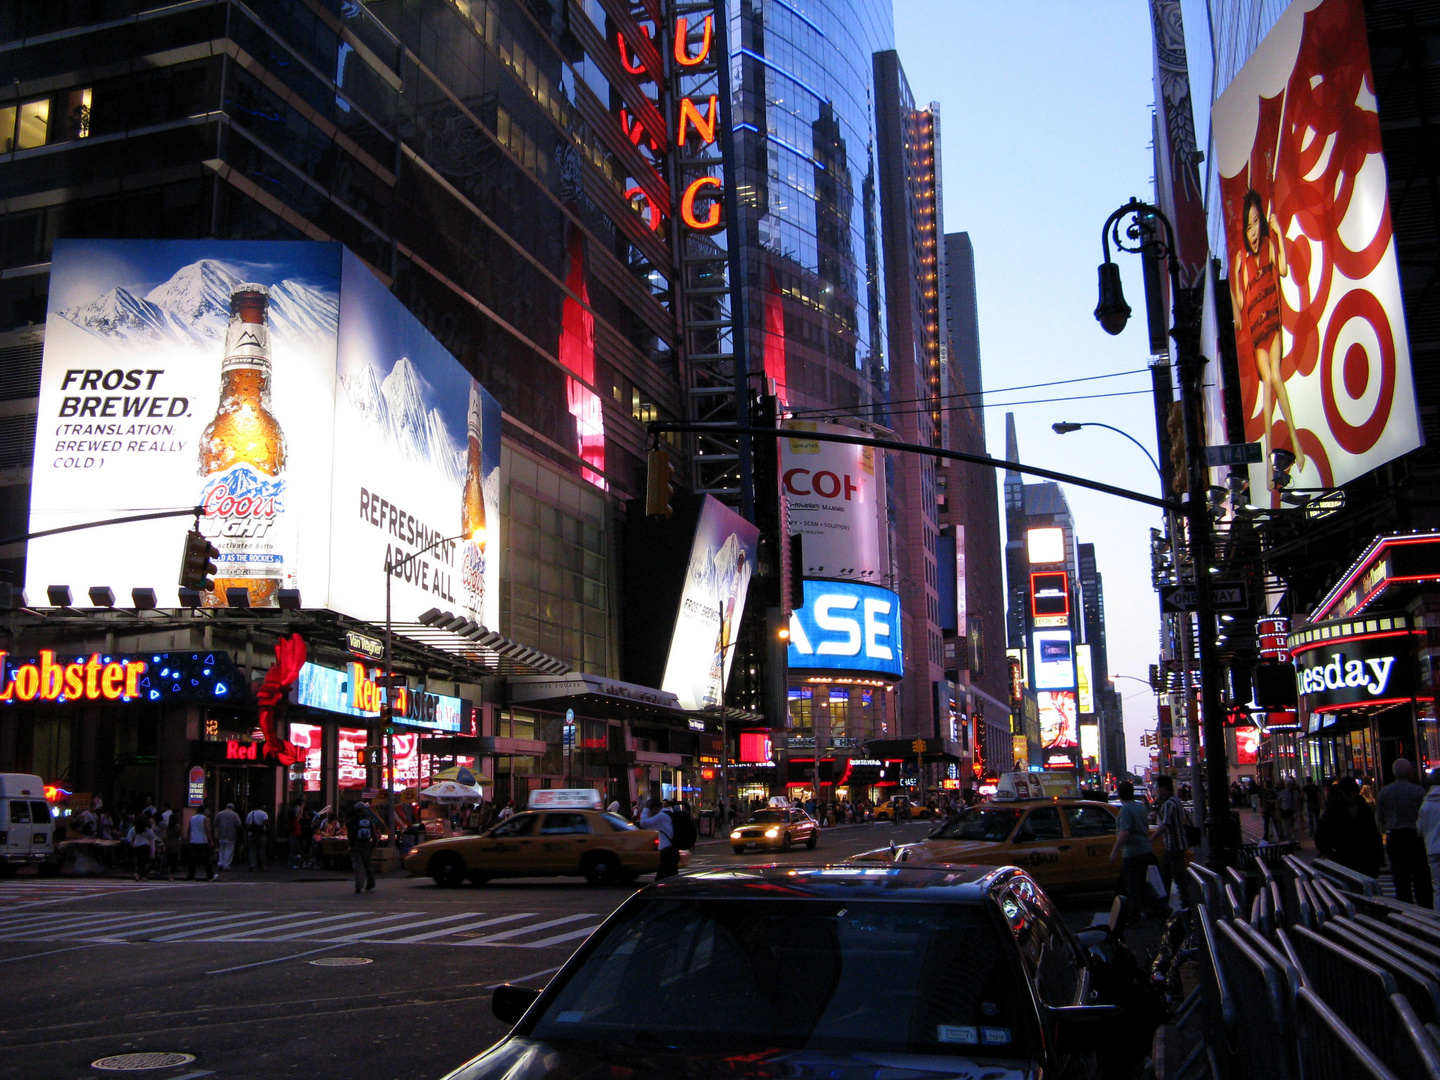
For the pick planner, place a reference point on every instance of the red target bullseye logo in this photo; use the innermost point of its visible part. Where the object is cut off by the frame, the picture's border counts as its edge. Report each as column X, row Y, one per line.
column 1356, row 369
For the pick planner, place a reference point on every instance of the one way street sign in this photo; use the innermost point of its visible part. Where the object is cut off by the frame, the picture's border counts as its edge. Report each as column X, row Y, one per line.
column 1222, row 597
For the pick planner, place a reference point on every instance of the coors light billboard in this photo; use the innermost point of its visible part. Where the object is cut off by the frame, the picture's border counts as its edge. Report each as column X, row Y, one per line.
column 279, row 386
column 1324, row 360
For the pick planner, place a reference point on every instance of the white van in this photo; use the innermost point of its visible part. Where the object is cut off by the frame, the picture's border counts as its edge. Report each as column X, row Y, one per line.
column 27, row 828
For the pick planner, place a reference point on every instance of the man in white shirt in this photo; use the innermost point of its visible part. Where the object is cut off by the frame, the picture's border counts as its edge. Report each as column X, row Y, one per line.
column 257, row 831
column 198, row 837
column 661, row 821
column 227, row 833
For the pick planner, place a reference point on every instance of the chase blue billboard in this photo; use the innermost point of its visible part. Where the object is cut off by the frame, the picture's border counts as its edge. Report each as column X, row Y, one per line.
column 847, row 626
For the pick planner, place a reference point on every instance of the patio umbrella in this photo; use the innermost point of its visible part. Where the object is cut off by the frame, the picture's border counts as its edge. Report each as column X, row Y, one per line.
column 459, row 773
column 450, row 791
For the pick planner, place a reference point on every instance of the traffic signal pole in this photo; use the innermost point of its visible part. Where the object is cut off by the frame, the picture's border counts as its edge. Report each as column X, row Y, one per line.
column 659, row 426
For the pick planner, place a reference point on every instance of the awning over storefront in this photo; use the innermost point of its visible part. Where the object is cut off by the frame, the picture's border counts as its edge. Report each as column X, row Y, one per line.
column 1383, row 571
column 931, row 750
column 595, row 696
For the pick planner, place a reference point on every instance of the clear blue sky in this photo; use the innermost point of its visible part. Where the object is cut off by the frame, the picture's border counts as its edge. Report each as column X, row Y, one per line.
column 1045, row 109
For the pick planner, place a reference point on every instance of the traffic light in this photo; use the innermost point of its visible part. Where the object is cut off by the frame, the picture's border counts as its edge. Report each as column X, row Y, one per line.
column 1156, row 682
column 1179, row 459
column 659, row 483
column 369, row 755
column 198, row 562
column 795, row 571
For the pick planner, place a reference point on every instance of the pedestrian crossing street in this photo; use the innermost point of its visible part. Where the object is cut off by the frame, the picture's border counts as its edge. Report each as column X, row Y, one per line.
column 522, row 929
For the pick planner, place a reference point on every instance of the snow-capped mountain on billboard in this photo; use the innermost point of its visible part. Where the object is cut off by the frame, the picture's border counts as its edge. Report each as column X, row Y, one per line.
column 396, row 405
column 119, row 313
column 193, row 306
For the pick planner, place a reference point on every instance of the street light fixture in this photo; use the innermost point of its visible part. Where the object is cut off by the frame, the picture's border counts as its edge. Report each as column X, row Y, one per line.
column 1065, row 427
column 1141, row 236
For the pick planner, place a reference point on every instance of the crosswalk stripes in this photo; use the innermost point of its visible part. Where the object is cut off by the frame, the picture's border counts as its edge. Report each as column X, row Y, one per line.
column 521, row 930
column 16, row 895
column 432, row 934
column 505, row 935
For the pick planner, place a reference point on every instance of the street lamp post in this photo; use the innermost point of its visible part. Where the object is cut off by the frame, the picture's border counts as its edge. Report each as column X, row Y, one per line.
column 1172, row 530
column 1064, row 427
column 392, row 567
column 1112, row 313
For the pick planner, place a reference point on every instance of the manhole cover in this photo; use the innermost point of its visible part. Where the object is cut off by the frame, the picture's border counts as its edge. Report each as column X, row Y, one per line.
column 141, row 1062
column 341, row 961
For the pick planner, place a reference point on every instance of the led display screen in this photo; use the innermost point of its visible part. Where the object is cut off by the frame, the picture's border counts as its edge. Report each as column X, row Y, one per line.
column 846, row 626
column 1045, row 545
column 1053, row 660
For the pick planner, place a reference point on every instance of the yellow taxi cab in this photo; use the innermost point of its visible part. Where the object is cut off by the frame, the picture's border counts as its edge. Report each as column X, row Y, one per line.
column 899, row 808
column 1063, row 842
column 777, row 828
column 564, row 833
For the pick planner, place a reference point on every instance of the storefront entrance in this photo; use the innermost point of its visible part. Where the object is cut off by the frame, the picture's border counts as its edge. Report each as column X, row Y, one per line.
column 247, row 786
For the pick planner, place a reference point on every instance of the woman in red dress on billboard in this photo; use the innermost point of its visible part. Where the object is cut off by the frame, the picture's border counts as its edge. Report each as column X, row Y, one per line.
column 1255, row 293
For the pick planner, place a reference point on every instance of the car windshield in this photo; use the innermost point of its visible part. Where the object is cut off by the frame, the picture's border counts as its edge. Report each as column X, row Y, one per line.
column 990, row 823
column 721, row 976
column 618, row 821
column 766, row 817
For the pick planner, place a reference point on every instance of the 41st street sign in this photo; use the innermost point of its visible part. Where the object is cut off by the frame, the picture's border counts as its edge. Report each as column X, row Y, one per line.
column 1223, row 597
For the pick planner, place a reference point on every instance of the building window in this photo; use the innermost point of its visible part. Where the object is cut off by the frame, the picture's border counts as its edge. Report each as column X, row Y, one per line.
column 29, row 124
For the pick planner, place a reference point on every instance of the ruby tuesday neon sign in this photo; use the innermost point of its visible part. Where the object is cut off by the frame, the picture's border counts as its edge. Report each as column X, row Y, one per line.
column 699, row 206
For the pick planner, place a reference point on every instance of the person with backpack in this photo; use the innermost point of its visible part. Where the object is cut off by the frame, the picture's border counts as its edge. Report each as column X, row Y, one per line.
column 362, row 828
column 664, row 824
column 685, row 830
column 142, row 846
column 1173, row 835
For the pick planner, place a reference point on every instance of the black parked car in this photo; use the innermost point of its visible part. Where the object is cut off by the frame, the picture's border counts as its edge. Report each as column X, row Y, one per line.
column 846, row 972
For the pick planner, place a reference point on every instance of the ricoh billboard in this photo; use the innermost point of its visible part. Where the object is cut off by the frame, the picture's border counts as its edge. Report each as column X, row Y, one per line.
column 833, row 501
column 1324, row 362
column 282, row 388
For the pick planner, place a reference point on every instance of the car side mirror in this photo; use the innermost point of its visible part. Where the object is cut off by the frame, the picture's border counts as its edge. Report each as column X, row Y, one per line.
column 509, row 1002
column 1083, row 1029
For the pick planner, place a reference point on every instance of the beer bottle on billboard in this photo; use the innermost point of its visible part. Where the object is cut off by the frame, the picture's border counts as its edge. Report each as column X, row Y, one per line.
column 242, row 460
column 472, row 509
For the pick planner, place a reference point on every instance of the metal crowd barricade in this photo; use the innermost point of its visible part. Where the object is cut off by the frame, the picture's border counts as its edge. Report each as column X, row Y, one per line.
column 1272, row 855
column 1207, row 884
column 1234, row 877
column 1306, row 911
column 1356, row 989
column 1423, row 950
column 1427, row 921
column 1427, row 928
column 1262, row 913
column 1417, row 1037
column 1420, row 986
column 1217, row 1003
column 1234, row 905
column 1336, row 903
column 1267, row 991
column 1345, row 878
column 1328, row 1049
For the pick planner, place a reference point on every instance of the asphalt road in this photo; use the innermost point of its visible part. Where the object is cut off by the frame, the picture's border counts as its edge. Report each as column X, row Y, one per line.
column 242, row 974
